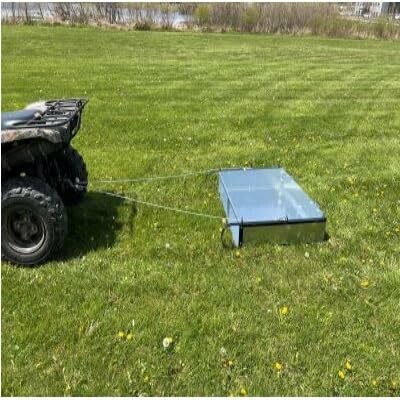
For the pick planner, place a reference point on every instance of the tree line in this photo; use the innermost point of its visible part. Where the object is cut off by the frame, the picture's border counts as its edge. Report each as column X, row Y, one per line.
column 271, row 18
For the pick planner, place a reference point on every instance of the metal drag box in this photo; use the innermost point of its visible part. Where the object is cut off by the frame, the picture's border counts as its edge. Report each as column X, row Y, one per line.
column 267, row 205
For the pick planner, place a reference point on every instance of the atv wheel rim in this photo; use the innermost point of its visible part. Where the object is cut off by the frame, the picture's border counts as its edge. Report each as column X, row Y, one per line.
column 25, row 229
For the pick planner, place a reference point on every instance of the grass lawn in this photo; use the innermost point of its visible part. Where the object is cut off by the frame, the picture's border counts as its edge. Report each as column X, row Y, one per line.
column 164, row 103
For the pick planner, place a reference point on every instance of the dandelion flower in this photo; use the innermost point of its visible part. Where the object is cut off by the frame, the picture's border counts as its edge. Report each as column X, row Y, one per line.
column 230, row 363
column 278, row 366
column 121, row 334
column 167, row 342
column 243, row 391
column 341, row 374
column 237, row 253
column 374, row 383
column 258, row 279
column 129, row 336
column 348, row 366
column 284, row 310
column 364, row 284
column 306, row 254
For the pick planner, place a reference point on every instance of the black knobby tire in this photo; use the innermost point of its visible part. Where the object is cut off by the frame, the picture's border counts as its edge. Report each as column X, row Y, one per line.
column 74, row 176
column 33, row 222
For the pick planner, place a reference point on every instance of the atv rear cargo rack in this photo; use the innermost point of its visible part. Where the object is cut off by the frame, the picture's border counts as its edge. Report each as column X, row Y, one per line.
column 56, row 113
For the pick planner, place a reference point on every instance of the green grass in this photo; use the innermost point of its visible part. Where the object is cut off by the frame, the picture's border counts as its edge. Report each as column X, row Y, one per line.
column 163, row 103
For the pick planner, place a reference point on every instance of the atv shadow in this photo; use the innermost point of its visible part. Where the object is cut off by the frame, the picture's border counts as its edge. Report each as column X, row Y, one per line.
column 93, row 225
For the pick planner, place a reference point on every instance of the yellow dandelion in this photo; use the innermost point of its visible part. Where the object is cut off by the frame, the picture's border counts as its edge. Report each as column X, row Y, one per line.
column 121, row 334
column 341, row 374
column 237, row 253
column 230, row 363
column 278, row 366
column 258, row 279
column 348, row 366
column 364, row 284
column 374, row 383
column 129, row 336
column 243, row 391
column 284, row 310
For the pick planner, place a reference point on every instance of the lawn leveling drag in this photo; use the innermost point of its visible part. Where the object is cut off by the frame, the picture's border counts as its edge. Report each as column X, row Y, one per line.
column 41, row 173
column 260, row 204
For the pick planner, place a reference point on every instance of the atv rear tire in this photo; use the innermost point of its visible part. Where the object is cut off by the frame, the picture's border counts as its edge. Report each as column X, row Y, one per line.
column 33, row 222
column 74, row 176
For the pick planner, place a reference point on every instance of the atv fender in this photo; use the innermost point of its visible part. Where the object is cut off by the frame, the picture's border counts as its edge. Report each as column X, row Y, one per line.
column 51, row 135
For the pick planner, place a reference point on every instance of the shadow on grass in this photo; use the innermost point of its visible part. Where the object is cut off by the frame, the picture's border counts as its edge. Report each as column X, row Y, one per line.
column 94, row 225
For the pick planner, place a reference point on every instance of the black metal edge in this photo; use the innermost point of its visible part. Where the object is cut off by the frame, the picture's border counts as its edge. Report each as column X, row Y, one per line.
column 79, row 103
column 240, row 234
column 249, row 168
column 287, row 222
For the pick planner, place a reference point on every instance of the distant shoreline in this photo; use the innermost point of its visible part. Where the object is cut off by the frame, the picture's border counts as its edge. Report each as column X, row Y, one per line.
column 297, row 19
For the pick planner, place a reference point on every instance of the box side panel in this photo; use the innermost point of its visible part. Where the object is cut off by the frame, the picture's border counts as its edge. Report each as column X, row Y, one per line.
column 308, row 232
column 229, row 211
column 235, row 230
column 227, row 202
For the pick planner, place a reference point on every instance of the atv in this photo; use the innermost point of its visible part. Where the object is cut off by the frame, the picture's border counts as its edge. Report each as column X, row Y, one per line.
column 41, row 173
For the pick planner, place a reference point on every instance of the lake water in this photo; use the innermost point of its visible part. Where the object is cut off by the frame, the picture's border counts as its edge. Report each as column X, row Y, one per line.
column 47, row 10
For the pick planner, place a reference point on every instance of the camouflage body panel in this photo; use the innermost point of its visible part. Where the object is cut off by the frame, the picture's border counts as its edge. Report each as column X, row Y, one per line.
column 31, row 143
column 51, row 135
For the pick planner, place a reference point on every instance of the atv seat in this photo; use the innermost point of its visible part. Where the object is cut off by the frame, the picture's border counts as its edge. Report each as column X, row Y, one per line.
column 12, row 119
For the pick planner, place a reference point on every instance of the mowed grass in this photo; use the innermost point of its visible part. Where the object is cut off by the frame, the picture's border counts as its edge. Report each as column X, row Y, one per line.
column 167, row 103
